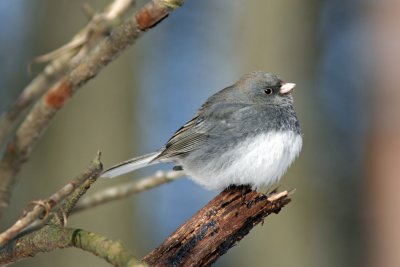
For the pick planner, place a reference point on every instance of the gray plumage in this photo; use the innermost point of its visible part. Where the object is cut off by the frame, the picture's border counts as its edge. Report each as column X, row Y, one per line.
column 258, row 108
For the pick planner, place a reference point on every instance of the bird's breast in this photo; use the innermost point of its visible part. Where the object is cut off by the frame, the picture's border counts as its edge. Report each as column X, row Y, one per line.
column 258, row 160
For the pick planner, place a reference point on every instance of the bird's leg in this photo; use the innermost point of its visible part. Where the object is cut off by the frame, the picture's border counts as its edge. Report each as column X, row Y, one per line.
column 243, row 188
column 231, row 187
column 177, row 168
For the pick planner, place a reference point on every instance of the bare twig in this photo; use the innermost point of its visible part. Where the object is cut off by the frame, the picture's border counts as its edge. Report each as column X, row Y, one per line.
column 113, row 252
column 62, row 60
column 32, row 128
column 127, row 189
column 99, row 26
column 53, row 237
column 217, row 227
column 38, row 214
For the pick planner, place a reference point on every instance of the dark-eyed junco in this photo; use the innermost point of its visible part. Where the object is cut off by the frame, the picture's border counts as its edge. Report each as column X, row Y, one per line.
column 246, row 134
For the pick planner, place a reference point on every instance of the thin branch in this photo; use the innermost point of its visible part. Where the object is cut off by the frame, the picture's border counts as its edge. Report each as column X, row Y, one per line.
column 62, row 60
column 218, row 226
column 51, row 237
column 127, row 189
column 33, row 127
column 99, row 26
column 113, row 252
column 38, row 215
column 46, row 239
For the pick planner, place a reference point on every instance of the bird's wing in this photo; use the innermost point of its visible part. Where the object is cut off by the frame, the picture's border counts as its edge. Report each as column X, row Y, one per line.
column 206, row 124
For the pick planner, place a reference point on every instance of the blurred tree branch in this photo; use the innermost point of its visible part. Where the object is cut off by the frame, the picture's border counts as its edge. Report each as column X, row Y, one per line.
column 39, row 214
column 127, row 189
column 53, row 237
column 49, row 232
column 62, row 60
column 35, row 124
column 41, row 231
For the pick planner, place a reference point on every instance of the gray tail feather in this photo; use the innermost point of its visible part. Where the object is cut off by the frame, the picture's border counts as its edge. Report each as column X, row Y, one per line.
column 131, row 165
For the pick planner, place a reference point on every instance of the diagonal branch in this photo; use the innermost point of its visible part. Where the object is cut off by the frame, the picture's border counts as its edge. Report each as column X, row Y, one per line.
column 217, row 227
column 50, row 234
column 62, row 60
column 113, row 252
column 36, row 123
column 38, row 215
column 127, row 189
column 53, row 237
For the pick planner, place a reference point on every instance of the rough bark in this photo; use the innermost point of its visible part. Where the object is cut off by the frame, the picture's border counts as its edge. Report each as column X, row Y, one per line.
column 216, row 228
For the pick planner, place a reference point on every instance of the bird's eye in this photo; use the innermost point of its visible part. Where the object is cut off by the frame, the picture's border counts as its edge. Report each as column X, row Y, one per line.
column 268, row 91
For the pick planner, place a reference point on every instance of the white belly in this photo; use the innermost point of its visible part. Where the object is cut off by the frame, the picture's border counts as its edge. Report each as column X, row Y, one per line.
column 259, row 161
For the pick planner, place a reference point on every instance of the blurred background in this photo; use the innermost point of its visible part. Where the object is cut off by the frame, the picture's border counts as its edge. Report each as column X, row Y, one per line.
column 344, row 57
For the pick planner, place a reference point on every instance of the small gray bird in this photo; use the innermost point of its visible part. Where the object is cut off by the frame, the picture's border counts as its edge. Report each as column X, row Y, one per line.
column 246, row 134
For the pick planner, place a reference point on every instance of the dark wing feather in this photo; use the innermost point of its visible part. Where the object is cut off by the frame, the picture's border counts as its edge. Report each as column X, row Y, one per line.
column 186, row 139
column 198, row 130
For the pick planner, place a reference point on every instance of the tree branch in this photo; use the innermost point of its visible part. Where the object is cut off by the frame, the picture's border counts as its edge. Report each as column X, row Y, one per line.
column 210, row 233
column 33, row 127
column 26, row 239
column 113, row 252
column 62, row 60
column 127, row 189
column 38, row 215
column 53, row 237
column 217, row 227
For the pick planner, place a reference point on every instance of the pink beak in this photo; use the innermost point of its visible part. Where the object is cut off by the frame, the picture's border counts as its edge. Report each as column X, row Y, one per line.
column 286, row 88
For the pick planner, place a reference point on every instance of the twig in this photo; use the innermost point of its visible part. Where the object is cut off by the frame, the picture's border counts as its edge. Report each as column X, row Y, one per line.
column 99, row 26
column 33, row 127
column 53, row 237
column 217, row 227
column 38, row 214
column 128, row 189
column 113, row 252
column 63, row 59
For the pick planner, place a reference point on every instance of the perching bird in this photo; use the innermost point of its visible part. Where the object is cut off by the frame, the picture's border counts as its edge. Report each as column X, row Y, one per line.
column 246, row 134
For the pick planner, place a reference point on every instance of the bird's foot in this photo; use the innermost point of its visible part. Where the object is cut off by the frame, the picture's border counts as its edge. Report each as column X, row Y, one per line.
column 243, row 188
column 177, row 168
